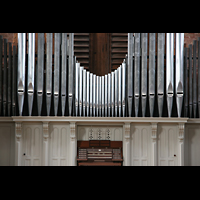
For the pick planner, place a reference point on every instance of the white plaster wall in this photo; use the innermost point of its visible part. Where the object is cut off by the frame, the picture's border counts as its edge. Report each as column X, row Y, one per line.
column 7, row 144
column 192, row 145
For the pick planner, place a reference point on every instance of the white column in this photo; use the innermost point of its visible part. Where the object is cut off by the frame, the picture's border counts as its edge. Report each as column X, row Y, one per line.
column 73, row 144
column 126, row 145
column 154, row 143
column 181, row 134
column 45, row 143
column 18, row 143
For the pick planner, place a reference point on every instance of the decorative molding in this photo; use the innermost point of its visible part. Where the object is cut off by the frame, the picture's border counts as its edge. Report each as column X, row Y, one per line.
column 99, row 132
column 127, row 130
column 72, row 130
column 18, row 130
column 154, row 127
column 181, row 131
column 45, row 130
column 108, row 134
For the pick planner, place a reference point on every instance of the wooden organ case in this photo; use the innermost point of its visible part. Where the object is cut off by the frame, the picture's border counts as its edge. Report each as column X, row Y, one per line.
column 99, row 153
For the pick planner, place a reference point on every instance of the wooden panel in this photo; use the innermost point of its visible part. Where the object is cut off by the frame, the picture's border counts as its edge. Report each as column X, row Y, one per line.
column 119, row 49
column 167, row 145
column 100, row 53
column 59, row 145
column 81, row 48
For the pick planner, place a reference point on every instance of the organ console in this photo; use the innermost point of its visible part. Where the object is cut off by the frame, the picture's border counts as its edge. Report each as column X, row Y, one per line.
column 99, row 153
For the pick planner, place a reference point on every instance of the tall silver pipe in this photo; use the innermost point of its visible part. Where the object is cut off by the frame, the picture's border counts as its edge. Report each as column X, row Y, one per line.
column 199, row 75
column 190, row 81
column 151, row 72
column 116, row 93
column 31, row 70
column 137, row 73
column 106, row 95
column 194, row 79
column 77, row 85
column 179, row 71
column 100, row 86
column 91, row 93
column 40, row 71
column 80, row 90
column 144, row 73
column 160, row 72
column 49, row 71
column 102, row 95
column 130, row 71
column 56, row 71
column 88, row 93
column 109, row 93
column 170, row 72
column 123, row 88
column 120, row 90
column 94, row 95
column 64, row 71
column 21, row 70
column 70, row 71
column 97, row 96
column 112, row 92
column 84, row 91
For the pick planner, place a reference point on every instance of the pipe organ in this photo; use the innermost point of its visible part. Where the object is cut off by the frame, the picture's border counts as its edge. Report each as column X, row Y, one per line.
column 146, row 84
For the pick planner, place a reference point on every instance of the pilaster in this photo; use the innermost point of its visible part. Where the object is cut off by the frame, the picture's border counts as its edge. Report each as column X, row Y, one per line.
column 18, row 143
column 45, row 143
column 181, row 135
column 126, row 144
column 73, row 143
column 154, row 143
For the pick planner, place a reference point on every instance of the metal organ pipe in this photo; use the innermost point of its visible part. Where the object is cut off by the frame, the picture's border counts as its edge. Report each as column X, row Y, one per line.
column 170, row 72
column 137, row 73
column 151, row 72
column 56, row 71
column 144, row 73
column 40, row 71
column 21, row 70
column 179, row 71
column 64, row 71
column 49, row 46
column 111, row 95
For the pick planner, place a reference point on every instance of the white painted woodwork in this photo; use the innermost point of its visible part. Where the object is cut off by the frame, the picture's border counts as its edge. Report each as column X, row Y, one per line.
column 53, row 140
column 141, row 145
column 113, row 133
column 59, row 144
column 167, row 145
column 32, row 144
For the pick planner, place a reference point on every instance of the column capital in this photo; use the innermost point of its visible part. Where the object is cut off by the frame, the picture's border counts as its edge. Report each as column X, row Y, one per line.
column 18, row 130
column 181, row 127
column 72, row 130
column 127, row 127
column 45, row 130
column 154, row 127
